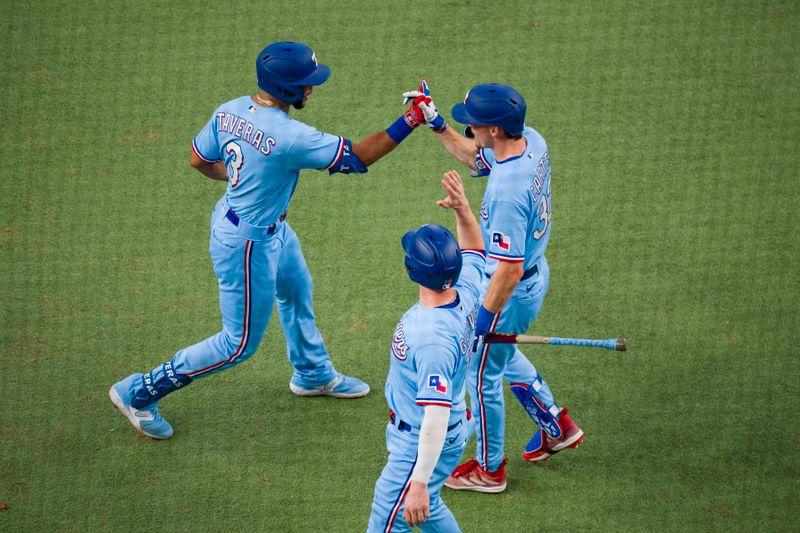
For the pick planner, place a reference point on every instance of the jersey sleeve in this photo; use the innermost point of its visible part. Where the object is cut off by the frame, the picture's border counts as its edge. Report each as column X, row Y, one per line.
column 206, row 143
column 471, row 278
column 508, row 226
column 314, row 149
column 484, row 161
column 435, row 367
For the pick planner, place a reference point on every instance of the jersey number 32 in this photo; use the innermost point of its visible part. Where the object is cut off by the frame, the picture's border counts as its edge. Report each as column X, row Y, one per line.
column 543, row 213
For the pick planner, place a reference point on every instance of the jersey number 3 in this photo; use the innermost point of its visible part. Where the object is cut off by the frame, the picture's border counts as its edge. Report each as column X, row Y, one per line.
column 543, row 212
column 233, row 162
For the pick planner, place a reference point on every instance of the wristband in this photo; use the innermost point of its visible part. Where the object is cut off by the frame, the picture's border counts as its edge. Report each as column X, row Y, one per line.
column 399, row 130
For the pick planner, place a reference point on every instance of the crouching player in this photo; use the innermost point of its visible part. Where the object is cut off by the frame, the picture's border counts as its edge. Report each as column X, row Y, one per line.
column 427, row 431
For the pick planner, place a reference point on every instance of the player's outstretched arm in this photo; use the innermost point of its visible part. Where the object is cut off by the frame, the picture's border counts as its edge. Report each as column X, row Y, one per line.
column 374, row 147
column 381, row 143
column 432, row 433
column 215, row 171
column 467, row 227
column 460, row 147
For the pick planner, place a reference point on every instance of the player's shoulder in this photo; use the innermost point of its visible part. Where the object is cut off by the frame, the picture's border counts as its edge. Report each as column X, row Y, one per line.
column 534, row 138
column 475, row 258
column 234, row 105
column 425, row 326
column 442, row 350
column 510, row 183
column 305, row 136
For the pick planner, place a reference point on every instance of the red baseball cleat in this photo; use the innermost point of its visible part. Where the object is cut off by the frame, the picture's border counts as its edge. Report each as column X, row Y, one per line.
column 541, row 446
column 470, row 476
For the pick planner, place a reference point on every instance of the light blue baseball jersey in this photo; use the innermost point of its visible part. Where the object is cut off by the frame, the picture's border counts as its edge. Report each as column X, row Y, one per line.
column 515, row 212
column 263, row 151
column 430, row 349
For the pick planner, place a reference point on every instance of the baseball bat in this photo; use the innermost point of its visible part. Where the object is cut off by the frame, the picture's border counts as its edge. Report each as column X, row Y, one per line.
column 620, row 345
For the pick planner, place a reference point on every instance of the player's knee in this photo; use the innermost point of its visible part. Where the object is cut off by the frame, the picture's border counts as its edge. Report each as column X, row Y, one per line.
column 295, row 276
column 294, row 286
column 242, row 348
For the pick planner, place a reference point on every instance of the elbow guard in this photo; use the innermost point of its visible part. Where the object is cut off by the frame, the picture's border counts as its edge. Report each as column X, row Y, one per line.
column 346, row 161
column 482, row 165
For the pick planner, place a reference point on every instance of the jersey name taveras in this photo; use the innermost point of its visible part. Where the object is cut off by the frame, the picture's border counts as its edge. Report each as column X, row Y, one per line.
column 263, row 150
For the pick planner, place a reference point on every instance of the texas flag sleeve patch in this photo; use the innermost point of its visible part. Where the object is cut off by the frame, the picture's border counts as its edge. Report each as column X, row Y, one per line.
column 501, row 241
column 437, row 383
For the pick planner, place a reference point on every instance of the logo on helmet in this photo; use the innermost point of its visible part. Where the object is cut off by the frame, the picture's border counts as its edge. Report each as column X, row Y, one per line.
column 314, row 58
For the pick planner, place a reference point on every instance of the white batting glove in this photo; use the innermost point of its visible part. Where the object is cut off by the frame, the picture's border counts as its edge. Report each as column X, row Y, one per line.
column 422, row 99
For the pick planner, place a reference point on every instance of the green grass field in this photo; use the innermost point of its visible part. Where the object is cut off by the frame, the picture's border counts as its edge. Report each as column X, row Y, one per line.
column 673, row 129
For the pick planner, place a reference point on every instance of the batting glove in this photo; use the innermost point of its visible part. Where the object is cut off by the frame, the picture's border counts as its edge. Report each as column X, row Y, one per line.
column 421, row 98
column 414, row 115
column 483, row 325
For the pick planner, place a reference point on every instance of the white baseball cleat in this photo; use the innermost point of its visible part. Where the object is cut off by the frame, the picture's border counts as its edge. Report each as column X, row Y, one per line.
column 340, row 387
column 147, row 420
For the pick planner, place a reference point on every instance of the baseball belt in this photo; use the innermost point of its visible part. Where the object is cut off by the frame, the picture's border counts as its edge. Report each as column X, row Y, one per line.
column 405, row 426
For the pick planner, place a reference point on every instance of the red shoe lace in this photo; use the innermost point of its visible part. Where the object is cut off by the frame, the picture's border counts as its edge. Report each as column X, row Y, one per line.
column 467, row 467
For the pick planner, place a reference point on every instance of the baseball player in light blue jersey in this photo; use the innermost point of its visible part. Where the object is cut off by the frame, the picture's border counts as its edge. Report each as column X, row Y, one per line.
column 427, row 433
column 253, row 144
column 515, row 222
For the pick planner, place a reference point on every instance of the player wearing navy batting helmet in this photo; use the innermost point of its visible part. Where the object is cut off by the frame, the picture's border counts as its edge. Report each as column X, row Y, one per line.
column 515, row 222
column 253, row 145
column 427, row 430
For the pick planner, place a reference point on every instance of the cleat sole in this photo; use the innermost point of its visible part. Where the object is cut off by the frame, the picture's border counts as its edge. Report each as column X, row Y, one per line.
column 118, row 403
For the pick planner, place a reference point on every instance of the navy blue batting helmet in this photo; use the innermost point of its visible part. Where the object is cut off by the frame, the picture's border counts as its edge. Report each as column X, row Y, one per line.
column 493, row 104
column 284, row 68
column 433, row 257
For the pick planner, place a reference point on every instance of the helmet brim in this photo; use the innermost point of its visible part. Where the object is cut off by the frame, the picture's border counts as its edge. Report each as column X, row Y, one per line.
column 460, row 114
column 318, row 77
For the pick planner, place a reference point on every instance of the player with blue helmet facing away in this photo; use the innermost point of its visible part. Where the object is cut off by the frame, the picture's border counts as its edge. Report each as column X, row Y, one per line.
column 515, row 222
column 427, row 432
column 252, row 143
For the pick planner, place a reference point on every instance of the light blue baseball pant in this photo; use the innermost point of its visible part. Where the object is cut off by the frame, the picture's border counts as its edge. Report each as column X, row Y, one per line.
column 392, row 486
column 250, row 274
column 495, row 361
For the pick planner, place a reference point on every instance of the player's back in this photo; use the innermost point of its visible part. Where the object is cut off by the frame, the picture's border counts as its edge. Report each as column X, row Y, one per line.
column 515, row 212
column 263, row 150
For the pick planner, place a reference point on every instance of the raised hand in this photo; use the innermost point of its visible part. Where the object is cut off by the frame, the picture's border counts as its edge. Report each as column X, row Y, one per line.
column 421, row 99
column 456, row 198
column 414, row 114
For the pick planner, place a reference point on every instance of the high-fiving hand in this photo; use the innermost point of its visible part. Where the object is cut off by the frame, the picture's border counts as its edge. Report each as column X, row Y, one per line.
column 456, row 198
column 421, row 99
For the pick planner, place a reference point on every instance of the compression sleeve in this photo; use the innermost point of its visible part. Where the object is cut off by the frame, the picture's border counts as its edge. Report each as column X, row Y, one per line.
column 431, row 441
